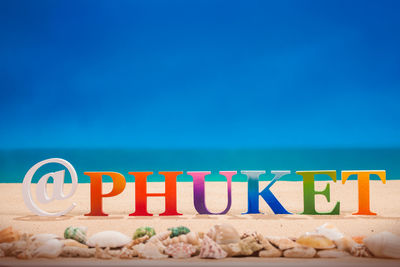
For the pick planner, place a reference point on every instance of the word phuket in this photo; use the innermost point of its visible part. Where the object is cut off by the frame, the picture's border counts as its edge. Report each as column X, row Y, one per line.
column 199, row 196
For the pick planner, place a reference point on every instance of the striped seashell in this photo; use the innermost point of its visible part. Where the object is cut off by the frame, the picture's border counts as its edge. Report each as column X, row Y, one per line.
column 384, row 245
column 76, row 233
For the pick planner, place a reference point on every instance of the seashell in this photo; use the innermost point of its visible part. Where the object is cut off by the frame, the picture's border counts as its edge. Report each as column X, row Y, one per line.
column 177, row 231
column 273, row 253
column 180, row 250
column 332, row 253
column 127, row 253
column 211, row 250
column 358, row 239
column 137, row 241
column 71, row 251
column 384, row 245
column 329, row 231
column 150, row 250
column 224, row 234
column 160, row 237
column 345, row 243
column 282, row 243
column 300, row 252
column 15, row 248
column 232, row 249
column 269, row 251
column 103, row 254
column 76, row 233
column 52, row 248
column 111, row 239
column 190, row 238
column 246, row 247
column 73, row 243
column 142, row 231
column 8, row 235
column 316, row 241
column 249, row 245
column 360, row 251
column 43, row 238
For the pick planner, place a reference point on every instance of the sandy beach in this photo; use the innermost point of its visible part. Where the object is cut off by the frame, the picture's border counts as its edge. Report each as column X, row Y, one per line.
column 384, row 201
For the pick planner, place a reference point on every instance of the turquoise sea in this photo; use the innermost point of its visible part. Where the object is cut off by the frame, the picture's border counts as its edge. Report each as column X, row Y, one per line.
column 15, row 163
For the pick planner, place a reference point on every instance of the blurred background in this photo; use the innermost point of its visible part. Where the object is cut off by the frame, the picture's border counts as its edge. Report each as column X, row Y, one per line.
column 200, row 85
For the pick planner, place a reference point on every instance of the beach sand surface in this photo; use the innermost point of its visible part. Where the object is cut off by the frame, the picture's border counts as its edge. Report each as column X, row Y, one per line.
column 384, row 200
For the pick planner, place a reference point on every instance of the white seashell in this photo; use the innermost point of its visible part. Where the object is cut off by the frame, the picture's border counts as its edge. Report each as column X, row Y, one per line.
column 224, row 234
column 384, row 245
column 329, row 231
column 50, row 249
column 111, row 239
column 332, row 253
column 43, row 238
column 149, row 250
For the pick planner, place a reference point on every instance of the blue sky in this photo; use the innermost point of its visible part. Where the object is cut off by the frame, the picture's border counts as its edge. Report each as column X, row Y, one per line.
column 199, row 74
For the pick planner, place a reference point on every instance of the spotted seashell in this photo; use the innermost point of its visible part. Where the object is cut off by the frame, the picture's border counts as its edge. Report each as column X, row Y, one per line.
column 111, row 239
column 180, row 250
column 384, row 245
column 316, row 241
column 76, row 233
column 177, row 231
column 224, row 234
column 211, row 250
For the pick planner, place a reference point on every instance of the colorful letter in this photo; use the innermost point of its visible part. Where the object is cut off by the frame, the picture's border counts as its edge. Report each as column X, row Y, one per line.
column 199, row 191
column 363, row 188
column 253, row 192
column 309, row 192
column 141, row 193
column 96, row 194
